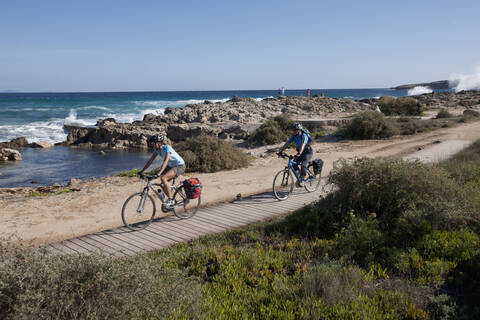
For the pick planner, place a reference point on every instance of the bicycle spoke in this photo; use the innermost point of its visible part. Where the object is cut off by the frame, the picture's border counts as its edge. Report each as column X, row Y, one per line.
column 138, row 211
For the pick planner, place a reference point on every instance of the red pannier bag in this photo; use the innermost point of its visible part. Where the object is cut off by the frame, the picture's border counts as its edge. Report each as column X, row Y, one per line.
column 193, row 188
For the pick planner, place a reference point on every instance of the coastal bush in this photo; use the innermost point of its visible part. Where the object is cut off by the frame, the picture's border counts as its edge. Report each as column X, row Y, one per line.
column 210, row 154
column 407, row 106
column 408, row 126
column 406, row 197
column 272, row 131
column 471, row 113
column 369, row 125
column 443, row 113
column 36, row 284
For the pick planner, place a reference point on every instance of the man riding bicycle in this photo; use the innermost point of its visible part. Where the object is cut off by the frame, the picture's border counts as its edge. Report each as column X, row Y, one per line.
column 173, row 165
column 304, row 151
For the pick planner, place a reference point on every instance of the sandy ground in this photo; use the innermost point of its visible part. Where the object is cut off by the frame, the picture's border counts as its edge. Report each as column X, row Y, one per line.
column 98, row 204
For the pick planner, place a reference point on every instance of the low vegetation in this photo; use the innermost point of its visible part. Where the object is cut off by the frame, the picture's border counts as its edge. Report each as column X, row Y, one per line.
column 393, row 240
column 369, row 125
column 205, row 154
column 55, row 191
column 277, row 130
column 404, row 106
column 443, row 113
column 272, row 131
column 374, row 125
column 210, row 154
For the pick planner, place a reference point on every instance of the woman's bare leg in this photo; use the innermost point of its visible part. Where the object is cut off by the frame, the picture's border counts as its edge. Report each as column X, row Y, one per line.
column 166, row 177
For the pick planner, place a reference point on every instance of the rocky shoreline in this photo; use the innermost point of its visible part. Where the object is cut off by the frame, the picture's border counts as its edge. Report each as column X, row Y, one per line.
column 234, row 119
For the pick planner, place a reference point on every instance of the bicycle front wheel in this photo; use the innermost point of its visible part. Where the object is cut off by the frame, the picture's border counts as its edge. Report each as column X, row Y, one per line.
column 312, row 183
column 282, row 185
column 138, row 211
column 185, row 208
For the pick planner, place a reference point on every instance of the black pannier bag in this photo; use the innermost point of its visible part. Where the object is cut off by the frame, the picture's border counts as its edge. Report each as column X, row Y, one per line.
column 193, row 188
column 317, row 166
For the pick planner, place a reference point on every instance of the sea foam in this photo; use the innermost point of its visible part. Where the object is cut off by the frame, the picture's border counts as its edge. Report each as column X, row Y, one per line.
column 419, row 90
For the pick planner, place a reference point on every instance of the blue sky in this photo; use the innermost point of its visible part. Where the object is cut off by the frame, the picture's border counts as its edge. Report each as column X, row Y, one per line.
column 215, row 45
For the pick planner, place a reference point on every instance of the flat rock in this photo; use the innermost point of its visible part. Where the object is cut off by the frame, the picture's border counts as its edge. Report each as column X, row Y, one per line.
column 41, row 145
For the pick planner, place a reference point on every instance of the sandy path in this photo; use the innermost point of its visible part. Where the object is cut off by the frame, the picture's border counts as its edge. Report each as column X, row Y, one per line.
column 98, row 205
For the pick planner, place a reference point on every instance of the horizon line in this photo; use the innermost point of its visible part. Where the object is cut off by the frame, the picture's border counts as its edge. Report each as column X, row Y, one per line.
column 234, row 90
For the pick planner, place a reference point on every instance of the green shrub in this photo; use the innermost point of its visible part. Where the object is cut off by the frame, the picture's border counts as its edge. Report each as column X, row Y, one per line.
column 209, row 154
column 464, row 283
column 361, row 241
column 443, row 113
column 34, row 284
column 399, row 106
column 272, row 131
column 442, row 307
column 471, row 113
column 369, row 125
column 408, row 126
column 332, row 282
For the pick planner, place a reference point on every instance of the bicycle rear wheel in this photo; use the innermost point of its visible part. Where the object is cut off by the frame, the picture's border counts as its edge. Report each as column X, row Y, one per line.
column 138, row 211
column 185, row 208
column 282, row 185
column 312, row 183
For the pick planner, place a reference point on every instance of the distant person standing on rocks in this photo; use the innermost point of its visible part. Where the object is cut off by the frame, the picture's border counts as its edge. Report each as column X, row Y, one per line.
column 302, row 139
column 173, row 165
column 308, row 93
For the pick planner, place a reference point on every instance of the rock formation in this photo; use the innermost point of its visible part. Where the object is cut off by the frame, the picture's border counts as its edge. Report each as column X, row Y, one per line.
column 7, row 154
column 236, row 118
column 233, row 119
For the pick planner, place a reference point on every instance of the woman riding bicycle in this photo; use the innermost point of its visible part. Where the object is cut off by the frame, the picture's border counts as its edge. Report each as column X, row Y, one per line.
column 304, row 150
column 173, row 165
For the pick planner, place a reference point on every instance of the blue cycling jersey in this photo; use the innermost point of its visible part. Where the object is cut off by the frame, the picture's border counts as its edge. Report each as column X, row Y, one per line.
column 174, row 161
column 298, row 139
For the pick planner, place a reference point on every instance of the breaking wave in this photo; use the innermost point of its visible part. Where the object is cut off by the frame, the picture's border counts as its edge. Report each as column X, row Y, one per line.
column 419, row 90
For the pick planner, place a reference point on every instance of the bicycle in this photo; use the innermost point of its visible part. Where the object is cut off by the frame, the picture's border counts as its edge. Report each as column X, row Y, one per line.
column 139, row 209
column 283, row 182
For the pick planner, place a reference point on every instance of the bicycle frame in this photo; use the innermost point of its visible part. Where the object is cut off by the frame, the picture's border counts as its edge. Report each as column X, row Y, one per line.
column 291, row 165
column 151, row 186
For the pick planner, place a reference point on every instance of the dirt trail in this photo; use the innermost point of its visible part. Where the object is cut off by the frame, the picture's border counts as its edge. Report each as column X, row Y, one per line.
column 98, row 205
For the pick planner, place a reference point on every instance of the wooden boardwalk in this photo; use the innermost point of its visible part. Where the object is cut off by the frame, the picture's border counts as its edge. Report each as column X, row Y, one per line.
column 169, row 230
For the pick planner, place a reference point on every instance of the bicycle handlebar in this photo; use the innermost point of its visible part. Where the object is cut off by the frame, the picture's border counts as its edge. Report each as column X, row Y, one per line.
column 285, row 155
column 145, row 177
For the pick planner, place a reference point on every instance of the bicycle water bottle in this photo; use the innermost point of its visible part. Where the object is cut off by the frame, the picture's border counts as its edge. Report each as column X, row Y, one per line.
column 163, row 196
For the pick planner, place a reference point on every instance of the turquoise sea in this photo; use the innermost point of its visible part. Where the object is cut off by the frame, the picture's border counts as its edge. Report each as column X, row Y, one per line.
column 41, row 117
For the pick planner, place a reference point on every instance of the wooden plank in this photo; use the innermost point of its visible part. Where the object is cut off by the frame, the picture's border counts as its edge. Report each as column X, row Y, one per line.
column 221, row 218
column 126, row 242
column 171, row 232
column 130, row 239
column 207, row 220
column 51, row 249
column 253, row 210
column 268, row 211
column 85, row 245
column 183, row 227
column 147, row 244
column 116, row 250
column 99, row 244
column 76, row 247
column 122, row 246
column 149, row 236
column 237, row 216
column 63, row 249
column 201, row 225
